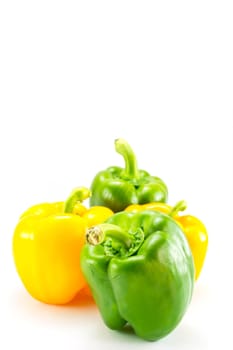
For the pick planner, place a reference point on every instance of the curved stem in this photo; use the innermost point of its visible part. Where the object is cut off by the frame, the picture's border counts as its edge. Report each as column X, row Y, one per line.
column 97, row 234
column 122, row 147
column 79, row 194
column 180, row 206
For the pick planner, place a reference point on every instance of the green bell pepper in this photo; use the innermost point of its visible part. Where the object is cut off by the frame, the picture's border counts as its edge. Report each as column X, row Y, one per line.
column 140, row 269
column 116, row 188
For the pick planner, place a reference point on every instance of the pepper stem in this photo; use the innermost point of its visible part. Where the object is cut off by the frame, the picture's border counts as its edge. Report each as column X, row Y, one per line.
column 98, row 234
column 78, row 195
column 180, row 206
column 122, row 147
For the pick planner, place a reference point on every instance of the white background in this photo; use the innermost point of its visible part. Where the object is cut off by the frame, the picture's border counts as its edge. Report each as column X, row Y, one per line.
column 75, row 75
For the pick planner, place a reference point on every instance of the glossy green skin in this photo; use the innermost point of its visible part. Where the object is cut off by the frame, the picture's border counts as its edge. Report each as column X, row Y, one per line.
column 149, row 290
column 111, row 188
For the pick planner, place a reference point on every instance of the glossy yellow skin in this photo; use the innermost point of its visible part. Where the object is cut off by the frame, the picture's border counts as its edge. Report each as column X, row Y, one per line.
column 193, row 228
column 46, row 249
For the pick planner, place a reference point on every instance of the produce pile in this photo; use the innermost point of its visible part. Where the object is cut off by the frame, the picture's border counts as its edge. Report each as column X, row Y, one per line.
column 138, row 256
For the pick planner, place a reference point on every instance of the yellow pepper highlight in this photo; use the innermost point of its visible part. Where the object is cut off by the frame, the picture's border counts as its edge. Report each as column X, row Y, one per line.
column 194, row 230
column 46, row 246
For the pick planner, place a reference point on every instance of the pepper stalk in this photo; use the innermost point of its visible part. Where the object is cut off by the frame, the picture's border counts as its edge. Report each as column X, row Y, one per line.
column 77, row 196
column 131, row 169
column 179, row 206
column 114, row 239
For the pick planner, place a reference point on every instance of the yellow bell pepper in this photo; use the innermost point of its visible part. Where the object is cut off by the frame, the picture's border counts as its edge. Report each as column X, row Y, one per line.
column 46, row 246
column 194, row 230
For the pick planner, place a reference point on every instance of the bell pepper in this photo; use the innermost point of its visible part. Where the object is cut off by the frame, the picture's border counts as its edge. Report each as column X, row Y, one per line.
column 140, row 269
column 116, row 188
column 46, row 247
column 194, row 230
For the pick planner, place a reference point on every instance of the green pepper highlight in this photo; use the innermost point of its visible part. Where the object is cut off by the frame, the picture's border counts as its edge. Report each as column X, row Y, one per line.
column 118, row 187
column 141, row 272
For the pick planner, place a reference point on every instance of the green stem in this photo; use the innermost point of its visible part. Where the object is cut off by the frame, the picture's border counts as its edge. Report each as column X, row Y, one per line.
column 98, row 234
column 122, row 147
column 180, row 206
column 79, row 194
